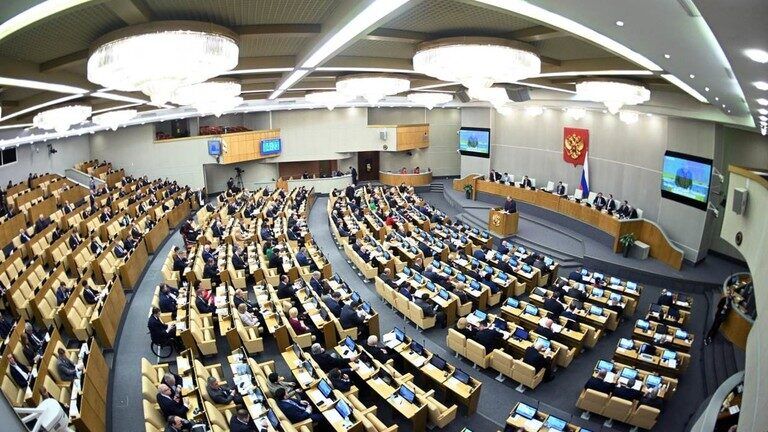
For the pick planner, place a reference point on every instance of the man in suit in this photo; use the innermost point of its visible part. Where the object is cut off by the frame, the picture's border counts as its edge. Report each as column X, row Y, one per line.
column 90, row 294
column 316, row 282
column 526, row 183
column 627, row 392
column 405, row 291
column 598, row 383
column 23, row 236
column 177, row 424
column 19, row 372
column 67, row 369
column 62, row 294
column 120, row 250
column 599, row 201
column 431, row 310
column 242, row 422
column 553, row 306
column 489, row 338
column 328, row 361
column 624, row 209
column 332, row 302
column 533, row 357
column 170, row 405
column 179, row 261
column 378, row 352
column 74, row 241
column 544, row 329
column 353, row 172
column 167, row 300
column 386, row 277
column 211, row 271
column 284, row 288
column 349, row 318
column 665, row 298
column 41, row 224
column 560, row 189
column 221, row 394
column 159, row 331
column 302, row 257
column 611, row 205
column 204, row 305
column 295, row 411
column 570, row 312
column 237, row 262
column 509, row 205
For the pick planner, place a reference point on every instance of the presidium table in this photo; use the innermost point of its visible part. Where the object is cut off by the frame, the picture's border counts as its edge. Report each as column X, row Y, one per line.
column 396, row 179
column 661, row 248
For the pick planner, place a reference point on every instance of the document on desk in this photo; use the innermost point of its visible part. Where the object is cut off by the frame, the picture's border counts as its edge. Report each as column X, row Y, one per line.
column 557, row 328
column 609, row 377
column 304, row 378
column 363, row 369
column 533, row 425
column 333, row 416
column 187, row 382
column 417, row 360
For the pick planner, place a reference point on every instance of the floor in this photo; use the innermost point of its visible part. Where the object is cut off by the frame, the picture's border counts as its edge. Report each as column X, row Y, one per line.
column 557, row 397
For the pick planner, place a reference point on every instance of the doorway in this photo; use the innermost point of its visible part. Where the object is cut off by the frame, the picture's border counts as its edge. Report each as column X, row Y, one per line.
column 368, row 165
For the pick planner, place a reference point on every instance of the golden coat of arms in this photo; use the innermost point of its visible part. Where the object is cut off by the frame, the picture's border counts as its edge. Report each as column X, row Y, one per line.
column 574, row 145
column 496, row 220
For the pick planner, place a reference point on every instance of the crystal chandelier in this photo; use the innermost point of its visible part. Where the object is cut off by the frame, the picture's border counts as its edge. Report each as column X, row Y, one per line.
column 159, row 57
column 329, row 99
column 61, row 119
column 496, row 96
column 576, row 113
column 373, row 87
column 429, row 100
column 476, row 62
column 210, row 97
column 113, row 119
column 629, row 117
column 612, row 93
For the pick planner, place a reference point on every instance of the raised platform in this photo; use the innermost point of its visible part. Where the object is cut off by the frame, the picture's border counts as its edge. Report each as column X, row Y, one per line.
column 575, row 243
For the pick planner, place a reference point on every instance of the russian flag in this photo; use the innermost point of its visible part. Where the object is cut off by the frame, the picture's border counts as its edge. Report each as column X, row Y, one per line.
column 585, row 177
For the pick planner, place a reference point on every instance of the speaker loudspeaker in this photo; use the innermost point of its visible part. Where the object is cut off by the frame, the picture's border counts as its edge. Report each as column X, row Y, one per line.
column 383, row 135
column 740, row 197
column 518, row 94
column 463, row 96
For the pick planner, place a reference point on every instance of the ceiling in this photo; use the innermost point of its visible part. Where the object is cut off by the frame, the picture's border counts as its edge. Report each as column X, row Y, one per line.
column 278, row 35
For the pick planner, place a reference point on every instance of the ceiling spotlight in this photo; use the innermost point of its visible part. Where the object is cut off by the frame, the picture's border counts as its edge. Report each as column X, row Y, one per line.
column 61, row 119
column 763, row 118
column 373, row 87
column 576, row 113
column 476, row 62
column 692, row 76
column 666, row 56
column 620, row 23
column 159, row 57
column 706, row 89
column 113, row 119
column 613, row 93
column 762, row 101
column 629, row 117
column 429, row 100
column 329, row 99
column 534, row 111
column 648, row 114
column 757, row 55
column 763, row 111
column 761, row 85
column 717, row 98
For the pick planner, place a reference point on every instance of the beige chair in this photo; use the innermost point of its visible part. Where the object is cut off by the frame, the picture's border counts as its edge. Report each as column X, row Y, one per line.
column 215, row 417
column 439, row 415
column 526, row 375
column 250, row 338
column 416, row 314
column 152, row 416
column 617, row 409
column 644, row 417
column 456, row 342
column 592, row 401
column 503, row 363
column 204, row 338
column 477, row 355
column 378, row 425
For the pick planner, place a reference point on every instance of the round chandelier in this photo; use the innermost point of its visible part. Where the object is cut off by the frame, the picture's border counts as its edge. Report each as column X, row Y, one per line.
column 496, row 96
column 61, row 119
column 629, row 117
column 159, row 57
column 612, row 93
column 476, row 62
column 113, row 119
column 372, row 87
column 429, row 100
column 210, row 97
column 329, row 99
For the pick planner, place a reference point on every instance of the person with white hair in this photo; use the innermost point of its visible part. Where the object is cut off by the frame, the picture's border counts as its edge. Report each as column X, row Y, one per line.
column 316, row 282
column 378, row 352
column 544, row 329
column 328, row 361
column 535, row 356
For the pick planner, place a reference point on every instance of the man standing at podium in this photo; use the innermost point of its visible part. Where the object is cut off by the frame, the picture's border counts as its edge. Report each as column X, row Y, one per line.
column 510, row 206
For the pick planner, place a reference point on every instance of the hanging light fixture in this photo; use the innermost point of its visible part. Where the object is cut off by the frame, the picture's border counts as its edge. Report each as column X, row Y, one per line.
column 210, row 97
column 476, row 62
column 629, row 117
column 61, row 119
column 496, row 96
column 373, row 87
column 329, row 99
column 113, row 119
column 159, row 57
column 613, row 93
column 534, row 111
column 429, row 100
column 576, row 113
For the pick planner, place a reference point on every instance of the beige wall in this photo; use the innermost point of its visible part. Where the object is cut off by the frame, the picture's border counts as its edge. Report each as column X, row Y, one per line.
column 35, row 158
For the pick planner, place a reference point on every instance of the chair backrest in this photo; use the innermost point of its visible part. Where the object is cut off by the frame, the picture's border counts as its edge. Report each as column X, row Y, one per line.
column 456, row 341
column 475, row 350
column 550, row 185
column 591, row 196
column 578, row 193
column 639, row 213
column 533, row 182
column 618, row 408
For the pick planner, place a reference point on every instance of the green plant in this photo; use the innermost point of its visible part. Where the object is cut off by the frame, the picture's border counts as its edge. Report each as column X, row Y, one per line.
column 468, row 188
column 626, row 241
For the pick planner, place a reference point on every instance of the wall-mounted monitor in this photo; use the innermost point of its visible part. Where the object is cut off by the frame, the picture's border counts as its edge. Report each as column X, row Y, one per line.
column 214, row 147
column 271, row 146
column 475, row 142
column 685, row 179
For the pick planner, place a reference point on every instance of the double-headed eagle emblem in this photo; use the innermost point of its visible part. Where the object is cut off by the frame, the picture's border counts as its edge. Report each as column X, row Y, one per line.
column 574, row 145
column 496, row 220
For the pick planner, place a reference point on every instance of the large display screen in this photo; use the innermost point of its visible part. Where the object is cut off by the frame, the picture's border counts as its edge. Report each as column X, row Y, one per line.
column 271, row 146
column 685, row 179
column 475, row 142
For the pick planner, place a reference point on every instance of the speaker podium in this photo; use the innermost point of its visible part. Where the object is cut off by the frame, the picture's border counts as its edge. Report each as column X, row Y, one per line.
column 502, row 223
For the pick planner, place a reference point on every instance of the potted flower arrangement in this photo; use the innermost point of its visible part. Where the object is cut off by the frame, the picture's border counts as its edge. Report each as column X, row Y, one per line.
column 468, row 191
column 626, row 241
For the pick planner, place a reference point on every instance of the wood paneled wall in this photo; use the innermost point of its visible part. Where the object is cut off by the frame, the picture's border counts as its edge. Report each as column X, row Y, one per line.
column 313, row 168
column 244, row 146
column 412, row 137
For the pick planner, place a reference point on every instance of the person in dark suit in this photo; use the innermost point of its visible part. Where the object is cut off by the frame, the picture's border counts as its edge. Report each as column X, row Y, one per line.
column 651, row 398
column 62, row 294
column 327, row 361
column 665, row 298
column 295, row 411
column 211, row 271
column 66, row 368
column 599, row 201
column 560, row 189
column 553, row 306
column 378, row 352
column 5, row 325
column 160, row 332
column 204, row 305
column 167, row 300
column 119, row 250
column 489, row 338
column 353, row 172
column 611, row 205
column 316, row 282
column 544, row 329
column 575, row 276
column 177, row 424
column 237, row 262
column 221, row 394
column 74, row 241
column 349, row 318
column 41, row 224
column 19, row 372
column 23, row 236
column 284, row 288
column 170, row 405
column 510, row 206
column 598, row 383
column 526, row 183
column 386, row 277
column 721, row 312
column 570, row 312
column 533, row 357
column 242, row 422
column 340, row 380
column 332, row 302
column 179, row 261
column 627, row 392
column 90, row 295
column 431, row 310
column 406, row 292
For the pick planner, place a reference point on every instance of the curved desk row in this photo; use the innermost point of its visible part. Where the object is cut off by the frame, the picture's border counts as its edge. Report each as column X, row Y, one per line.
column 323, row 185
column 396, row 179
column 645, row 231
column 737, row 323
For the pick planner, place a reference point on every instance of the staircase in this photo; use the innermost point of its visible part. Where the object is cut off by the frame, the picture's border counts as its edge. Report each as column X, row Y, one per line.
column 436, row 187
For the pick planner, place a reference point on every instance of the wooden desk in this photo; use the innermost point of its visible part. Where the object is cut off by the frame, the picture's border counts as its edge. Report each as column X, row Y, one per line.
column 646, row 231
column 396, row 179
column 503, row 223
column 134, row 266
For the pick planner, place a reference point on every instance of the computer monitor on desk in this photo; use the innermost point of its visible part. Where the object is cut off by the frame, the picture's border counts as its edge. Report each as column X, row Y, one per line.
column 406, row 393
column 525, row 410
column 343, row 409
column 555, row 424
column 438, row 362
column 461, row 376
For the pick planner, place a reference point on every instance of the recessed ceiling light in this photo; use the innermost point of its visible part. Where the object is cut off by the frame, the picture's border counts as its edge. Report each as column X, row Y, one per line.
column 666, row 56
column 717, row 98
column 757, row 55
column 692, row 76
column 763, row 118
column 761, row 85
column 729, row 111
column 706, row 88
column 763, row 111
column 620, row 23
column 723, row 105
column 762, row 101
column 605, row 111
